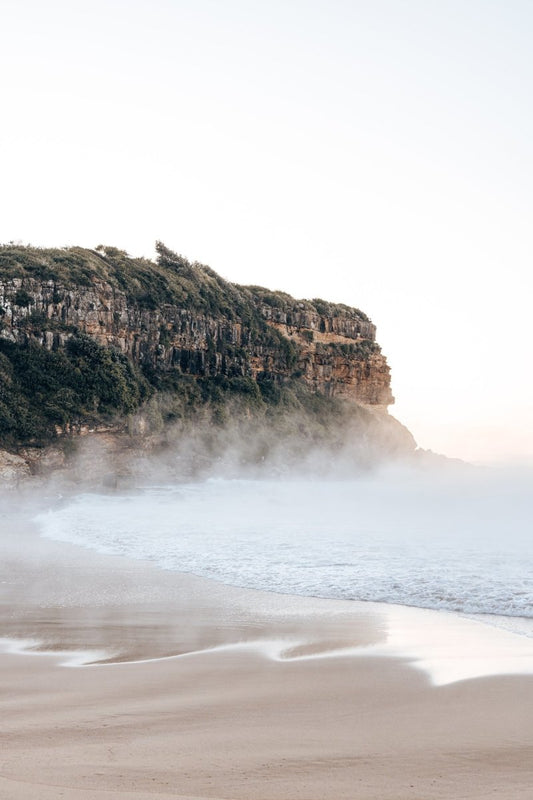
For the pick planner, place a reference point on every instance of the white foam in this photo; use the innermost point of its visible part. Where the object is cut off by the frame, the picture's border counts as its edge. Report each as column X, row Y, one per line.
column 427, row 543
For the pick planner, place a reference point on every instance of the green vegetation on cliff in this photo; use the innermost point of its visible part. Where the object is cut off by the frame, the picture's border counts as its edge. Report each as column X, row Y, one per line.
column 54, row 377
column 171, row 279
column 42, row 389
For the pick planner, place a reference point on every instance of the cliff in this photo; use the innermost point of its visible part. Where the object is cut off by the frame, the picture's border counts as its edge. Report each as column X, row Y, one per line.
column 90, row 334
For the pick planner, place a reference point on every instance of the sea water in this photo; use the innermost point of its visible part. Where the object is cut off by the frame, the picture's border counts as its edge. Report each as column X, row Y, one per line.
column 461, row 542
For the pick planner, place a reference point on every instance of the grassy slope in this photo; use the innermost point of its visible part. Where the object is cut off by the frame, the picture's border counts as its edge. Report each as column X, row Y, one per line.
column 171, row 279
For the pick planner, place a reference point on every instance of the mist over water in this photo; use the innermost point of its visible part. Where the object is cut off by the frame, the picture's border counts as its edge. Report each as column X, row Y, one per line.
column 454, row 539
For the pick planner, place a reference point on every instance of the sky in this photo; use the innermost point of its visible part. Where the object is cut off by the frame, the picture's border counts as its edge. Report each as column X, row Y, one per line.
column 374, row 152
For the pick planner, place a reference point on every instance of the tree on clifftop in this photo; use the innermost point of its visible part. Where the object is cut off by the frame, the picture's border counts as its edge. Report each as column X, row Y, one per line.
column 167, row 258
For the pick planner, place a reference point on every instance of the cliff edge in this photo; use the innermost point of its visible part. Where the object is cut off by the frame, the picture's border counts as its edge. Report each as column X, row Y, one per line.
column 91, row 338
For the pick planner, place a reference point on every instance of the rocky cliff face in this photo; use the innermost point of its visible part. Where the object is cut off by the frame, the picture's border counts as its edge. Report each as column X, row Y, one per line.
column 97, row 342
column 334, row 353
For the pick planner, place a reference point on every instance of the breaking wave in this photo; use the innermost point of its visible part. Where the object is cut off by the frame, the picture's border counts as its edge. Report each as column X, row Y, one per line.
column 428, row 541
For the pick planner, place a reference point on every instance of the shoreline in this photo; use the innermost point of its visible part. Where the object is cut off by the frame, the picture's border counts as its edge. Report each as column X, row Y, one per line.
column 285, row 543
column 251, row 617
column 335, row 707
column 438, row 659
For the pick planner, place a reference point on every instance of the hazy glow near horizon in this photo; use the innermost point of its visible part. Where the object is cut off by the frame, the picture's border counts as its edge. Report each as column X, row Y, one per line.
column 377, row 154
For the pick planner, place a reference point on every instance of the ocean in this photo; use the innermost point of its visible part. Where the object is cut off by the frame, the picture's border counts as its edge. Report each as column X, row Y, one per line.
column 458, row 540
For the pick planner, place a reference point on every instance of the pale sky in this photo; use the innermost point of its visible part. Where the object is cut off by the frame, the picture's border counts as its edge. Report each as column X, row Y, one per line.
column 376, row 153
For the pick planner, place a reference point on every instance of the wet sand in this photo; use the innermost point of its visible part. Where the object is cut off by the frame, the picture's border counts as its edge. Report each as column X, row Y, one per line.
column 216, row 692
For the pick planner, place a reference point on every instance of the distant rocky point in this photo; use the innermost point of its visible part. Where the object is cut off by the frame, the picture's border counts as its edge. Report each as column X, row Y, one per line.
column 128, row 349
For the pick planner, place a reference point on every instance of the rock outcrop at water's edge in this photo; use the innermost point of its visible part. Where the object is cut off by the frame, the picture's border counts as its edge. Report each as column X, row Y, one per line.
column 168, row 328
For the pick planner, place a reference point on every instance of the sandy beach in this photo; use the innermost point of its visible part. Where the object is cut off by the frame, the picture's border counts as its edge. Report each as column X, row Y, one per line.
column 207, row 691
